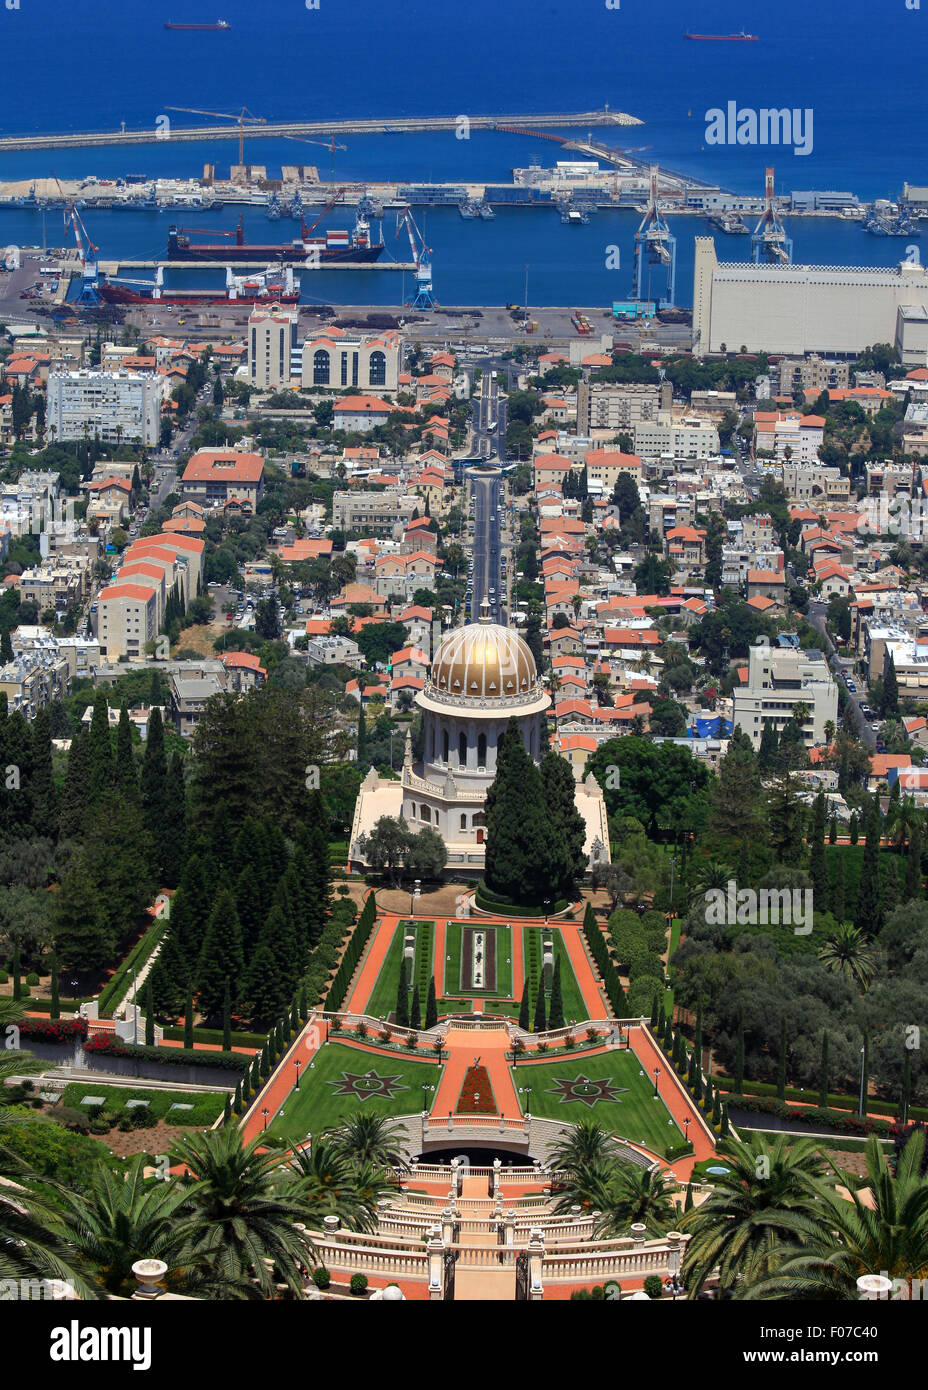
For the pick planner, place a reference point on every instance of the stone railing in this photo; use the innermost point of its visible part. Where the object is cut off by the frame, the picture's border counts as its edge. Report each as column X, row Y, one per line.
column 627, row 1257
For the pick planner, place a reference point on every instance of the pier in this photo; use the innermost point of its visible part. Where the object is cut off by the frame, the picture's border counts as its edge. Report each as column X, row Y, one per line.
column 111, row 267
column 399, row 125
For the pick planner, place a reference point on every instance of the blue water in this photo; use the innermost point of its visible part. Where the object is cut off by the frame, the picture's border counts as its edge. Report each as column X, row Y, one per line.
column 856, row 64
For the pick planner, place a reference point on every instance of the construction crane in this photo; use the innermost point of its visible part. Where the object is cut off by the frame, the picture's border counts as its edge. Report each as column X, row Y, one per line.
column 329, row 145
column 337, row 197
column 90, row 287
column 243, row 116
column 769, row 243
column 655, row 244
column 422, row 256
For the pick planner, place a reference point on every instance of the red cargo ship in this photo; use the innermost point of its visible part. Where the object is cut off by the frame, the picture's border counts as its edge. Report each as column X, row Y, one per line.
column 277, row 285
column 334, row 246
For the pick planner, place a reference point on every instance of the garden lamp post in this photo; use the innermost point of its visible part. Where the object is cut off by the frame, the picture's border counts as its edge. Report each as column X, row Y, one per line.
column 298, row 1063
column 657, row 1073
column 686, row 1129
column 265, row 1112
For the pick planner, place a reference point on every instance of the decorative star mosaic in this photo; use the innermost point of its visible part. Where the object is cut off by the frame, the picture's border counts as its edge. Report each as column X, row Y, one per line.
column 366, row 1085
column 583, row 1089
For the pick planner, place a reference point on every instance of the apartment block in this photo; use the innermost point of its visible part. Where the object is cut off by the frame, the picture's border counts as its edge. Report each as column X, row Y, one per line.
column 778, row 680
column 605, row 406
column 118, row 407
column 127, row 618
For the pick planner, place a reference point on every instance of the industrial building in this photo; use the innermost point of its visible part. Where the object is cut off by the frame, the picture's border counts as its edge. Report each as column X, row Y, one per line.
column 799, row 309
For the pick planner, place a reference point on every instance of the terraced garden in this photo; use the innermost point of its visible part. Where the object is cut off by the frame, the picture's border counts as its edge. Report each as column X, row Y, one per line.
column 457, row 962
column 532, row 938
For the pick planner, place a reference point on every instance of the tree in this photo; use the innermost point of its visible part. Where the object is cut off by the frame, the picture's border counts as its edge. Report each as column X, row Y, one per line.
column 739, row 1055
column 43, row 799
column 522, row 861
column 847, row 952
column 415, row 1012
column 736, row 810
column 83, row 937
column 125, row 777
column 823, row 1072
column 367, row 1137
column 869, row 905
column 556, row 1011
column 242, row 1212
column 540, row 1023
column 402, row 996
column 221, row 956
column 739, row 1227
column 567, row 826
column 101, row 749
column 431, row 1006
column 174, row 831
column 890, row 704
column 523, row 1008
column 818, row 871
column 188, row 1019
column 264, row 989
column 387, row 847
column 149, row 1007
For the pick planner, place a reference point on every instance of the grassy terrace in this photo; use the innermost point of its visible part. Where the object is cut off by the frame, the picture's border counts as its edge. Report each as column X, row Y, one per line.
column 328, row 1095
column 203, row 1108
column 630, row 1111
column 453, row 988
column 382, row 1003
column 532, row 938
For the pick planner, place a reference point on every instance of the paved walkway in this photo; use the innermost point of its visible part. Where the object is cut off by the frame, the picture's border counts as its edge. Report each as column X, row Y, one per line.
column 463, row 1045
column 374, row 957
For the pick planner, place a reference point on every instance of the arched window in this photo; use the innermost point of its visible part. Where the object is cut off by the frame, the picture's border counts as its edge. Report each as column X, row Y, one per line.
column 424, row 813
column 464, row 822
column 462, row 749
column 321, row 367
column 378, row 369
column 482, row 751
column 444, row 745
column 412, row 810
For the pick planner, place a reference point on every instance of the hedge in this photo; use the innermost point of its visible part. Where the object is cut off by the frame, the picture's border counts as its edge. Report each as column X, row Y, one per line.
column 599, row 950
column 116, row 988
column 835, row 1102
column 503, row 906
column 53, row 1029
column 356, row 943
column 214, row 1035
column 67, row 1005
column 810, row 1115
column 172, row 1056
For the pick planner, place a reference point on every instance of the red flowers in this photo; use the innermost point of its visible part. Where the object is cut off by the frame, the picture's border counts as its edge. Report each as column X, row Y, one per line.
column 53, row 1029
column 476, row 1096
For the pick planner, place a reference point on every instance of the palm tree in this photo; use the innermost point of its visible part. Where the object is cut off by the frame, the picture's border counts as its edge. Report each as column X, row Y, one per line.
column 635, row 1194
column 901, row 819
column 329, row 1184
column 740, row 1227
column 830, row 1248
column 710, row 875
column 120, row 1218
column 242, row 1207
column 848, row 952
column 371, row 1138
column 587, row 1145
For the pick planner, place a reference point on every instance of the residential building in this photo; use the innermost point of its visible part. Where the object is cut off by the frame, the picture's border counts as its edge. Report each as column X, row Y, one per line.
column 117, row 407
column 604, row 406
column 127, row 618
column 215, row 477
column 779, row 679
column 271, row 341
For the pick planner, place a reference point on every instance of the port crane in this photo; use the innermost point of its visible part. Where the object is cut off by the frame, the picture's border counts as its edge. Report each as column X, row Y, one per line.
column 243, row 116
column 422, row 256
column 655, row 245
column 769, row 243
column 330, row 145
column 87, row 252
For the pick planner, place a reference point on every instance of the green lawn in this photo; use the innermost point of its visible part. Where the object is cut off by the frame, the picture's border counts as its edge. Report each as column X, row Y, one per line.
column 318, row 1105
column 532, row 938
column 452, row 963
column 382, row 1002
column 206, row 1106
column 422, row 966
column 632, row 1113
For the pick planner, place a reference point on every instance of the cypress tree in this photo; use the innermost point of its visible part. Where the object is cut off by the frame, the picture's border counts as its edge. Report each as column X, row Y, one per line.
column 725, row 1126
column 362, row 737
column 905, row 1097
column 227, row 1110
column 174, row 838
column 76, row 791
column 833, row 831
column 739, row 1055
column 869, row 902
column 823, row 1073
column 890, row 692
column 126, row 780
column 696, row 1086
column 294, row 1021
column 237, row 1102
column 556, row 1010
column 304, row 1004
column 523, row 1008
column 540, row 1023
column 781, row 1062
column 415, row 1013
column 227, row 1018
column 431, row 1006
column 149, row 1007
column 17, row 986
column 6, row 647
column 838, row 900
column 402, row 996
column 566, row 824
column 188, row 1018
column 817, row 869
column 55, row 1009
column 890, row 895
column 101, row 748
column 688, row 1199
column 854, row 828
column 522, row 860
column 43, row 796
column 913, row 865
column 716, row 1109
column 153, row 790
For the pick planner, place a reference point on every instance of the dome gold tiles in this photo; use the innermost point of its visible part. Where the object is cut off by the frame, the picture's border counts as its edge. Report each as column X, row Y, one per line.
column 484, row 661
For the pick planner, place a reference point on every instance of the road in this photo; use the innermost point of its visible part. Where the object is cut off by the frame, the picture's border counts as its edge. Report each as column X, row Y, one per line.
column 863, row 730
column 485, row 492
column 490, row 417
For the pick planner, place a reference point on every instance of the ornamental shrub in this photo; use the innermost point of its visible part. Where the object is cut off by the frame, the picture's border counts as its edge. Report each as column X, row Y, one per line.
column 653, row 1286
column 358, row 1283
column 32, row 979
column 321, row 1277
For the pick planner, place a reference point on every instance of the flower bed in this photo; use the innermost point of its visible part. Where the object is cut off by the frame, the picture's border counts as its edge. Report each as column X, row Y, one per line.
column 171, row 1056
column 476, row 1096
column 814, row 1115
column 53, row 1029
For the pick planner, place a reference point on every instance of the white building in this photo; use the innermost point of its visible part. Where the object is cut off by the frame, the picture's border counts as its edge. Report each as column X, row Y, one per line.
column 779, row 678
column 689, row 438
column 119, row 407
column 797, row 309
column 271, row 340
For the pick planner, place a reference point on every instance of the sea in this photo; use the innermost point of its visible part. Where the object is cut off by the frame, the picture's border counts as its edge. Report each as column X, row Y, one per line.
column 856, row 65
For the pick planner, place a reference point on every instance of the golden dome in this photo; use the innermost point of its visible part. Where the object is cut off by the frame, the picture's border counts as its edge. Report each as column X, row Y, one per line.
column 483, row 661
